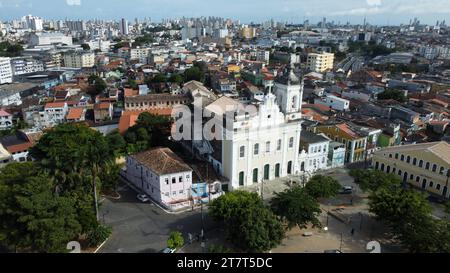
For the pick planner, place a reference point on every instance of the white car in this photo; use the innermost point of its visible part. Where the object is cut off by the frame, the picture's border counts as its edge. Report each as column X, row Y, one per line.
column 168, row 250
column 143, row 198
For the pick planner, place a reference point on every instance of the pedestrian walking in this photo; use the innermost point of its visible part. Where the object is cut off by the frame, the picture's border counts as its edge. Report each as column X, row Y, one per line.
column 353, row 231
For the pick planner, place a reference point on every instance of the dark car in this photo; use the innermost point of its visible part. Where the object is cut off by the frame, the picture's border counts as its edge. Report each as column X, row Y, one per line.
column 332, row 251
column 346, row 190
column 436, row 199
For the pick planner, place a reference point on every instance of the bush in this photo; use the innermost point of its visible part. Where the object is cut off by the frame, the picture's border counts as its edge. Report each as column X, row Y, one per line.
column 98, row 235
column 175, row 240
column 219, row 249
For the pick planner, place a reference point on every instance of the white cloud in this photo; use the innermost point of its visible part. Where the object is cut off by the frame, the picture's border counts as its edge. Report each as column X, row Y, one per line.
column 73, row 2
column 373, row 2
column 398, row 7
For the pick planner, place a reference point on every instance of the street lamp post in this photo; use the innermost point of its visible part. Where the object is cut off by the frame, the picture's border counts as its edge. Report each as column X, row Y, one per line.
column 203, row 221
column 340, row 247
column 361, row 223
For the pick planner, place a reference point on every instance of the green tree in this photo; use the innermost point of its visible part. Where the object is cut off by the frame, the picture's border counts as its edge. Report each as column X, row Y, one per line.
column 296, row 207
column 175, row 240
column 395, row 205
column 98, row 235
column 116, row 143
column 250, row 225
column 219, row 249
column 232, row 204
column 34, row 217
column 257, row 230
column 408, row 214
column 392, row 94
column 132, row 84
column 143, row 40
column 10, row 50
column 86, row 149
column 97, row 84
column 372, row 180
column 158, row 78
column 176, row 78
column 320, row 186
column 194, row 74
column 109, row 176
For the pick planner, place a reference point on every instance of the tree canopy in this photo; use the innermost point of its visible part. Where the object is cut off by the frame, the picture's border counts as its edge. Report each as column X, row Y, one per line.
column 10, row 50
column 372, row 180
column 71, row 148
column 296, row 207
column 194, row 74
column 34, row 217
column 392, row 94
column 149, row 129
column 175, row 240
column 97, row 84
column 251, row 226
column 320, row 186
column 408, row 214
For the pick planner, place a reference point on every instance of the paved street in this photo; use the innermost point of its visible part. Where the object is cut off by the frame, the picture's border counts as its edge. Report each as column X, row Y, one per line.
column 144, row 228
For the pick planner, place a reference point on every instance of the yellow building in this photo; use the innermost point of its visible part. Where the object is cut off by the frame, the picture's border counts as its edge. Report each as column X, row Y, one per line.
column 424, row 166
column 248, row 32
column 320, row 62
column 355, row 143
column 232, row 68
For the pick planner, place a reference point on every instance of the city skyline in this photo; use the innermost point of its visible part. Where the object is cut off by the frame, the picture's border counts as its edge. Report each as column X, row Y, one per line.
column 377, row 12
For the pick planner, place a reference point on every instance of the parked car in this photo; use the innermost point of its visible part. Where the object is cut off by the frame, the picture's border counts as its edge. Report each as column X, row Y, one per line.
column 346, row 190
column 435, row 199
column 143, row 198
column 332, row 251
column 168, row 250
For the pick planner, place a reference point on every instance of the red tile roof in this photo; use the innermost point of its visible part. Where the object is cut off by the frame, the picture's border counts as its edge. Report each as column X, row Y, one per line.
column 55, row 105
column 102, row 106
column 344, row 127
column 3, row 113
column 74, row 113
column 128, row 92
column 19, row 147
column 129, row 118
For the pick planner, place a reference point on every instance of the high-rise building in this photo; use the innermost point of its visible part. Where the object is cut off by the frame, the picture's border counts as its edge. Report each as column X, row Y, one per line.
column 320, row 62
column 124, row 27
column 6, row 75
column 78, row 59
column 76, row 25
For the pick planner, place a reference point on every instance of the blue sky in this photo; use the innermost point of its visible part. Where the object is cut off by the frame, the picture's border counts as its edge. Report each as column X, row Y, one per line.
column 376, row 11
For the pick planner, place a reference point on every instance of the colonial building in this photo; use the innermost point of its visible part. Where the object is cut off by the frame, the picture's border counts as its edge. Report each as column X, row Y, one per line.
column 425, row 166
column 355, row 143
column 162, row 175
column 56, row 112
column 155, row 101
column 5, row 120
column 313, row 152
column 103, row 111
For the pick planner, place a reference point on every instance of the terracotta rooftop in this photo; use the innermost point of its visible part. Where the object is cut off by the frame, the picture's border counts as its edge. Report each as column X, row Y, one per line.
column 3, row 113
column 55, row 105
column 346, row 129
column 129, row 118
column 128, row 92
column 102, row 106
column 74, row 113
column 162, row 161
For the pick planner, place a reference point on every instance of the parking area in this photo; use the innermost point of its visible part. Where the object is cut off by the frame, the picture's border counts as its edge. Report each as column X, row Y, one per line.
column 143, row 227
